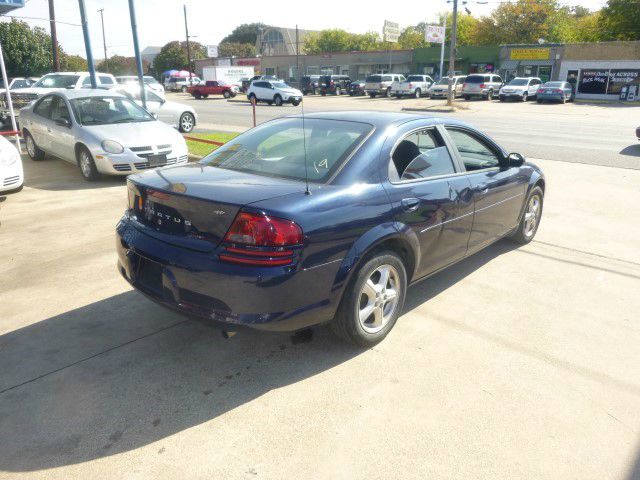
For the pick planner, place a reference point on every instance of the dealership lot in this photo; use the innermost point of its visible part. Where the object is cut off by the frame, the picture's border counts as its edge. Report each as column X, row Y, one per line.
column 515, row 363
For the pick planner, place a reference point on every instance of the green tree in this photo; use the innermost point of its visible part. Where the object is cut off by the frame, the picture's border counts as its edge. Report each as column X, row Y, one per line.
column 235, row 49
column 27, row 51
column 413, row 37
column 174, row 56
column 73, row 63
column 245, row 33
column 331, row 40
column 621, row 20
column 119, row 65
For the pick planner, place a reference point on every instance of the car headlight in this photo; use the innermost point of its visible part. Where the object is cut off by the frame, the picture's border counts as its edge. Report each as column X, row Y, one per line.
column 8, row 158
column 111, row 146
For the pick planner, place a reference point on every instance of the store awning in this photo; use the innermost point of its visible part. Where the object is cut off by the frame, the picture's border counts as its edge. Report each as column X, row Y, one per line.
column 509, row 64
column 536, row 63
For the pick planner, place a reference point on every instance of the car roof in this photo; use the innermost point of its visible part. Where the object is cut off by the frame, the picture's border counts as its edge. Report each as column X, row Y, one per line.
column 87, row 92
column 382, row 119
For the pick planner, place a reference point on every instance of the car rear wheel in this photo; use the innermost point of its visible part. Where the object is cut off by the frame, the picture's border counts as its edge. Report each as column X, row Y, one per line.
column 226, row 94
column 388, row 93
column 252, row 98
column 418, row 93
column 372, row 95
column 531, row 218
column 32, row 149
column 197, row 95
column 525, row 97
column 183, row 89
column 467, row 97
column 87, row 165
column 372, row 301
column 187, row 122
column 338, row 91
column 539, row 100
column 277, row 100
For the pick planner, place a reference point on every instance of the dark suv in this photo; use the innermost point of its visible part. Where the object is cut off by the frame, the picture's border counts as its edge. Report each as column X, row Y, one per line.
column 334, row 84
column 309, row 84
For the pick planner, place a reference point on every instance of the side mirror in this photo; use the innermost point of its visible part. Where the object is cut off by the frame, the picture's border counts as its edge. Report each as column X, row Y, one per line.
column 515, row 159
column 63, row 122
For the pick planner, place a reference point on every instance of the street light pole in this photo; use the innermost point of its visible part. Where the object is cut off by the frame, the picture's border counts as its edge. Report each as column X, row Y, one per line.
column 104, row 41
column 54, row 37
column 87, row 43
column 136, row 49
column 186, row 30
column 452, row 53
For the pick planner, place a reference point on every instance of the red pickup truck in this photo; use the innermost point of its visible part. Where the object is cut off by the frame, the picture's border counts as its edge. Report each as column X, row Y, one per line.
column 212, row 87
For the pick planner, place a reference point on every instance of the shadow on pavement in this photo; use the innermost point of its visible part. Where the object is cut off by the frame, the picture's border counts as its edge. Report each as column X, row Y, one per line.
column 631, row 150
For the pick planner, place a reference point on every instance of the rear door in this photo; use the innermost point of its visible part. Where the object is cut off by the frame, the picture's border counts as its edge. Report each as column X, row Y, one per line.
column 430, row 197
column 41, row 124
column 498, row 191
column 62, row 141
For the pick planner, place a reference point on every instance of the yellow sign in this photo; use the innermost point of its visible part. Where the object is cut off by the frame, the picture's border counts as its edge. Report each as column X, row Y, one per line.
column 530, row 53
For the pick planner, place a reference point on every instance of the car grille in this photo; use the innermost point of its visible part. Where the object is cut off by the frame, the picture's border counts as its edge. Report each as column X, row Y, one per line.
column 145, row 165
column 19, row 100
column 10, row 180
column 122, row 167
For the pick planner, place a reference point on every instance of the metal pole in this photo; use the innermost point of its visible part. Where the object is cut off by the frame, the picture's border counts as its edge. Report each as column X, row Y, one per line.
column 298, row 78
column 87, row 43
column 104, row 41
column 54, row 37
column 14, row 126
column 186, row 30
column 444, row 34
column 452, row 53
column 136, row 49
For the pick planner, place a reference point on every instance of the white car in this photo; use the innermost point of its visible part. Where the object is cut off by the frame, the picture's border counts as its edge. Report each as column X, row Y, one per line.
column 413, row 86
column 180, row 84
column 178, row 115
column 148, row 80
column 441, row 88
column 11, row 174
column 101, row 131
column 380, row 84
column 521, row 88
column 274, row 92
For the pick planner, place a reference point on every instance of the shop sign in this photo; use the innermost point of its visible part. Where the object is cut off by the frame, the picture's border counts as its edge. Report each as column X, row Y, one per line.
column 391, row 31
column 593, row 82
column 619, row 78
column 530, row 53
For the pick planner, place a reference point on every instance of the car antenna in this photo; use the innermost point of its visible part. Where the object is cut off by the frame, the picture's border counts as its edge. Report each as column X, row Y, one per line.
column 304, row 133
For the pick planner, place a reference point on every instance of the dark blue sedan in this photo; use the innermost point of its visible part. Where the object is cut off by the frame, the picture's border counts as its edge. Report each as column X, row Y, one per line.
column 327, row 220
column 555, row 92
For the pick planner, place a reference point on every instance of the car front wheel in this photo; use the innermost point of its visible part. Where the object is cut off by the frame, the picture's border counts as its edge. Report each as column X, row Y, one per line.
column 531, row 218
column 226, row 94
column 187, row 122
column 418, row 93
column 373, row 301
column 525, row 97
column 277, row 100
column 87, row 165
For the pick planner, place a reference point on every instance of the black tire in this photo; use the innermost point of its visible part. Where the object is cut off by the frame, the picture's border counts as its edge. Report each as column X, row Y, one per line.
column 417, row 93
column 88, row 169
column 467, row 97
column 206, row 95
column 538, row 100
column 197, row 95
column 277, row 100
column 226, row 94
column 525, row 96
column 346, row 323
column 372, row 95
column 502, row 98
column 564, row 99
column 338, row 91
column 388, row 92
column 32, row 149
column 295, row 103
column 183, row 89
column 187, row 122
column 523, row 233
column 252, row 98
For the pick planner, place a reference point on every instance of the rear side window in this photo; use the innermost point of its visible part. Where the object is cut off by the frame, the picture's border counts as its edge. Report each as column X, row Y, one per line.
column 43, row 107
column 374, row 79
column 386, row 78
column 475, row 79
column 422, row 155
column 105, row 80
column 277, row 148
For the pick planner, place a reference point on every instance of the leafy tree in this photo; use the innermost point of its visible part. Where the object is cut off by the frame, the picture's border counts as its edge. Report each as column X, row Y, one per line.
column 245, row 33
column 360, row 42
column 331, row 40
column 73, row 63
column 174, row 56
column 119, row 65
column 27, row 51
column 413, row 37
column 235, row 49
column 621, row 20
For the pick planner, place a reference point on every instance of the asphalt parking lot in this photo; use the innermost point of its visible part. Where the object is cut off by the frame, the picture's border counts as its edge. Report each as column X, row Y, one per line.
column 515, row 363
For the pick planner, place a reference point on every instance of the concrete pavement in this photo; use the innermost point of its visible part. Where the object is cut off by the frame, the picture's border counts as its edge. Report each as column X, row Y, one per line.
column 515, row 363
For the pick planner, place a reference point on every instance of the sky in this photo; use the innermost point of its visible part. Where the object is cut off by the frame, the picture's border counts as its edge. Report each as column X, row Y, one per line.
column 161, row 21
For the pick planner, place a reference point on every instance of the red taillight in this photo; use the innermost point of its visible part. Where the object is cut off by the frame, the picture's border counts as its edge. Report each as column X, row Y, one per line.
column 410, row 85
column 260, row 240
column 482, row 85
column 464, row 85
column 558, row 91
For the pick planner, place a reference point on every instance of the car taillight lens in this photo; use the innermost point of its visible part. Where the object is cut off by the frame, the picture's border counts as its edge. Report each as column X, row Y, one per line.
column 464, row 85
column 260, row 240
column 558, row 91
column 410, row 85
column 482, row 85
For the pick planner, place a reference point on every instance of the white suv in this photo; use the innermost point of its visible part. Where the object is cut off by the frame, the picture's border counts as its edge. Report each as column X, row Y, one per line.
column 414, row 86
column 271, row 91
column 381, row 83
column 521, row 88
column 483, row 85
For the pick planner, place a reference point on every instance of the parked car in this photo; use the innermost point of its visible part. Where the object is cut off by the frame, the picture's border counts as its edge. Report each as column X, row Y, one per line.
column 48, row 83
column 274, row 92
column 178, row 115
column 393, row 199
column 334, row 84
column 413, row 85
column 103, row 132
column 380, row 84
column 484, row 85
column 18, row 82
column 638, row 133
column 310, row 84
column 11, row 173
column 148, row 80
column 180, row 84
column 520, row 88
column 440, row 89
column 356, row 87
column 213, row 87
column 555, row 91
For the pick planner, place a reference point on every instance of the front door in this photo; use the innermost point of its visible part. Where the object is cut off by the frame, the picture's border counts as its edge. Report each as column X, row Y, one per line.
column 430, row 198
column 497, row 190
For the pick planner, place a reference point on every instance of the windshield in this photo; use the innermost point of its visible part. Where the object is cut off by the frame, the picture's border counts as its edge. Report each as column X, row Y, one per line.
column 108, row 110
column 444, row 81
column 57, row 81
column 518, row 82
column 150, row 80
column 374, row 78
column 477, row 79
column 277, row 149
column 280, row 85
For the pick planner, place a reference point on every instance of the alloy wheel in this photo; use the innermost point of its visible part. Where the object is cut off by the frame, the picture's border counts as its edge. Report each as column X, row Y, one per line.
column 85, row 164
column 31, row 146
column 378, row 298
column 532, row 216
column 186, row 122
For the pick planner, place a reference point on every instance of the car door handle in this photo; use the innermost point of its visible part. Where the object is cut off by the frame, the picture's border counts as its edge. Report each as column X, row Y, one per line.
column 410, row 204
column 482, row 188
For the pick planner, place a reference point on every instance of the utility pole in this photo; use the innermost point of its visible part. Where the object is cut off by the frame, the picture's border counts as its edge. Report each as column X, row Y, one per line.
column 136, row 49
column 298, row 77
column 54, row 37
column 452, row 53
column 104, row 41
column 186, row 30
column 87, row 43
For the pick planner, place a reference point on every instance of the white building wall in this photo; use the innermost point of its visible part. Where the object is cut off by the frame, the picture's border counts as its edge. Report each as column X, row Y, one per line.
column 579, row 65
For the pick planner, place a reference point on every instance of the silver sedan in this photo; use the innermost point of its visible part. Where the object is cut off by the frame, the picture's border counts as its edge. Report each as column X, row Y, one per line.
column 103, row 132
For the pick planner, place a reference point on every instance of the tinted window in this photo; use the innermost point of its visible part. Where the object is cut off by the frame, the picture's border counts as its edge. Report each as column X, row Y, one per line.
column 59, row 109
column 57, row 81
column 475, row 153
column 106, row 80
column 86, row 82
column 496, row 78
column 476, row 79
column 20, row 84
column 277, row 148
column 374, row 78
column 422, row 155
column 415, row 78
column 518, row 82
column 43, row 107
column 386, row 78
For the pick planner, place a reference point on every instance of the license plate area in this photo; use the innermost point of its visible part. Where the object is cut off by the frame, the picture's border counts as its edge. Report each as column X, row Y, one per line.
column 149, row 274
column 157, row 160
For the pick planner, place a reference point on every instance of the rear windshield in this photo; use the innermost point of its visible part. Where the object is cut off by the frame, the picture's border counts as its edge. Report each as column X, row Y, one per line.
column 277, row 148
column 374, row 78
column 415, row 78
column 477, row 79
column 57, row 81
column 554, row 84
column 518, row 82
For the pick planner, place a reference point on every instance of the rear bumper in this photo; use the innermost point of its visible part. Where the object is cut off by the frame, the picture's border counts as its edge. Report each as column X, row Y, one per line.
column 198, row 284
column 549, row 96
